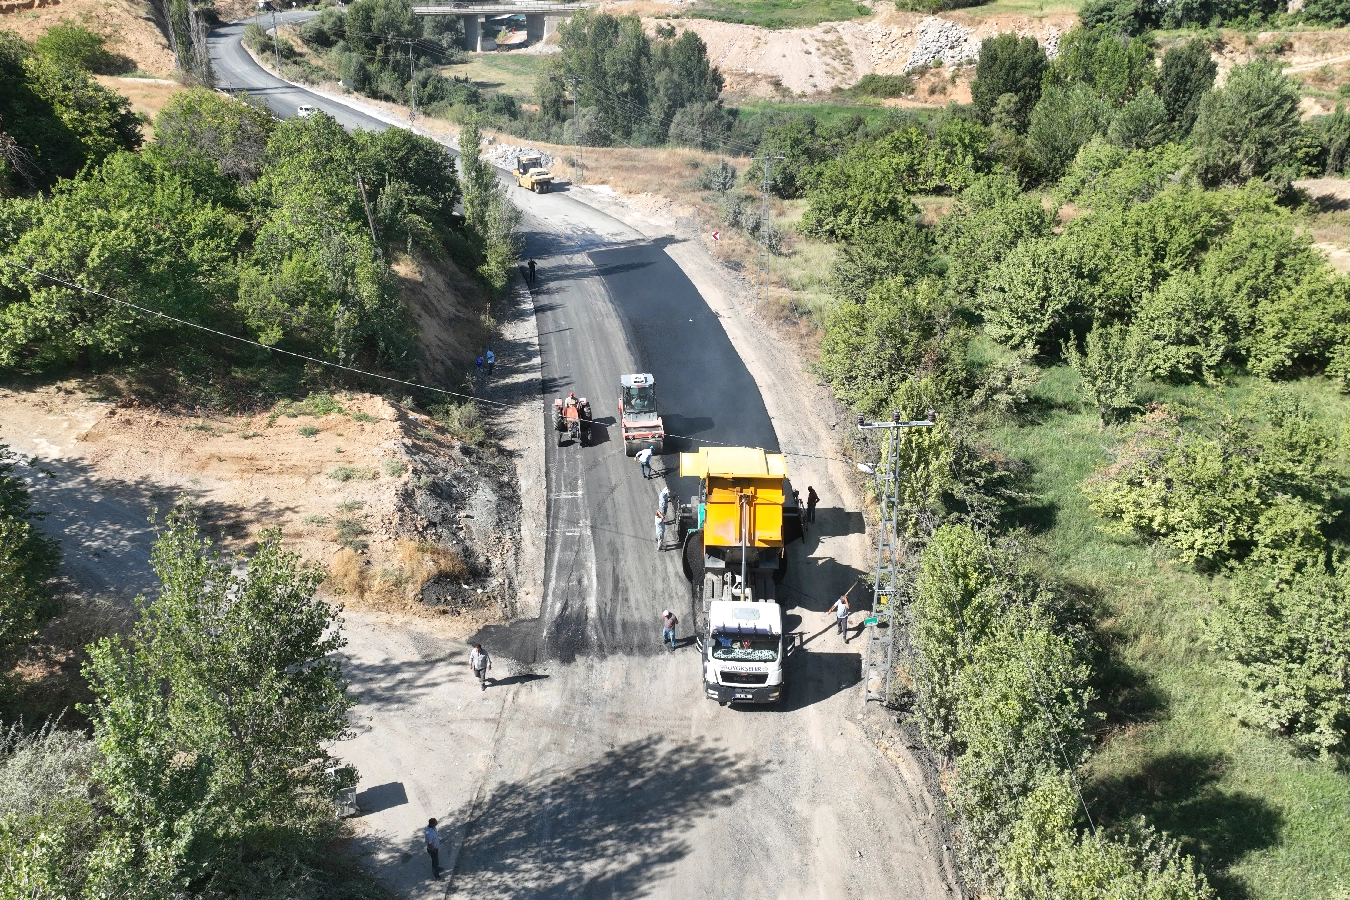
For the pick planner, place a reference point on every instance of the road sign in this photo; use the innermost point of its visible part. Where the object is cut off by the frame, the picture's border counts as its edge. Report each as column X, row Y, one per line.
column 870, row 621
column 717, row 235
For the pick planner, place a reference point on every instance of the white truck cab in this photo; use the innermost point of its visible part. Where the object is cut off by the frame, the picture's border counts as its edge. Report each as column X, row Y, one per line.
column 743, row 652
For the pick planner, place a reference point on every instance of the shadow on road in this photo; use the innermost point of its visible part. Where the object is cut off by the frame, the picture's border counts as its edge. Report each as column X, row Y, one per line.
column 608, row 829
column 381, row 797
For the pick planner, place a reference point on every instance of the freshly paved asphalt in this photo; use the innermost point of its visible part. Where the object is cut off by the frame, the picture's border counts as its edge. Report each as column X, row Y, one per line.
column 607, row 302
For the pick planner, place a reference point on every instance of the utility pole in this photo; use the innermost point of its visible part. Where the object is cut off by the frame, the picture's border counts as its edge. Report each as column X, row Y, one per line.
column 576, row 134
column 412, row 87
column 879, row 662
column 276, row 45
column 369, row 218
column 765, row 225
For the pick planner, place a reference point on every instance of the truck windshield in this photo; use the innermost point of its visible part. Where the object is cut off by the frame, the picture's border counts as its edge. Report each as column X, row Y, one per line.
column 639, row 399
column 743, row 648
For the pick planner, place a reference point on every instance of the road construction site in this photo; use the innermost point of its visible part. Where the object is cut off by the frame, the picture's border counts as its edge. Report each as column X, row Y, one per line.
column 593, row 765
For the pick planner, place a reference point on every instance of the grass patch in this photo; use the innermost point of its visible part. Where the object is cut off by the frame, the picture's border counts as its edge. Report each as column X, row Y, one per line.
column 1264, row 823
column 315, row 521
column 350, row 506
column 780, row 13
column 349, row 533
column 308, row 431
column 362, row 417
column 464, row 421
column 881, row 86
column 393, row 467
column 353, row 473
column 506, row 73
column 1033, row 8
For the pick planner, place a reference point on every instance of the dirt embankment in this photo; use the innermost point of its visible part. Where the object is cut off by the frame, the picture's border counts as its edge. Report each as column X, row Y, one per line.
column 127, row 26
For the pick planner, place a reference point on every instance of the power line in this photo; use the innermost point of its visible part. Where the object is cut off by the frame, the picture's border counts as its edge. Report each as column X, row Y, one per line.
column 323, row 362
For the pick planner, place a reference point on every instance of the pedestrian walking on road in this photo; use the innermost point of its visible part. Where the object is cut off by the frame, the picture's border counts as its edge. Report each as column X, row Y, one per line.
column 841, row 611
column 660, row 528
column 433, row 848
column 668, row 622
column 491, row 359
column 479, row 363
column 644, row 459
column 481, row 663
column 531, row 271
column 812, row 498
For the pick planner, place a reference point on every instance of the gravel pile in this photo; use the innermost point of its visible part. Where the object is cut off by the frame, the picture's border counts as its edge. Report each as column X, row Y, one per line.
column 504, row 155
column 943, row 42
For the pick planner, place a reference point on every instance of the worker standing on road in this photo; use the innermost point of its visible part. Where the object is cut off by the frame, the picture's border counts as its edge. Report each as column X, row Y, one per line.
column 491, row 359
column 812, row 498
column 531, row 271
column 479, row 363
column 660, row 528
column 841, row 611
column 668, row 622
column 481, row 663
column 644, row 459
column 663, row 500
column 433, row 848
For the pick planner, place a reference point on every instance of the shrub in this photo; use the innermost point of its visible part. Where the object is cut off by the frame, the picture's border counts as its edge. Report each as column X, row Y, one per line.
column 704, row 124
column 1065, row 119
column 1141, row 124
column 886, row 86
column 1114, row 361
column 1113, row 68
column 1260, row 489
column 28, row 559
column 989, row 219
column 720, row 178
column 353, row 473
column 1288, row 639
column 71, row 44
column 464, row 421
column 1034, row 299
column 393, row 467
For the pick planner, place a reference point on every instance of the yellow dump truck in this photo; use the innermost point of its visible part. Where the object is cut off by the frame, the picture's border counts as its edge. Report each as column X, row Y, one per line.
column 737, row 527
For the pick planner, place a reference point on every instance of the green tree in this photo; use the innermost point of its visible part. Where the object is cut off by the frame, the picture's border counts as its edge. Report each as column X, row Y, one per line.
column 1140, row 124
column 1288, row 640
column 229, row 132
column 1260, row 489
column 896, row 250
column 1187, row 326
column 1329, row 12
column 901, row 349
column 54, row 119
column 1114, row 67
column 1008, row 64
column 489, row 216
column 1065, row 119
column 1187, row 74
column 1035, row 298
column 703, row 124
column 1249, row 127
column 611, row 59
column 214, row 717
column 682, row 76
column 989, row 219
column 1114, row 360
column 130, row 230
column 28, row 559
column 72, row 44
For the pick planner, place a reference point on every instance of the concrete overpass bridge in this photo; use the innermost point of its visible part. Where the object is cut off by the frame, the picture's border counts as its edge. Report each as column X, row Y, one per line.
column 541, row 17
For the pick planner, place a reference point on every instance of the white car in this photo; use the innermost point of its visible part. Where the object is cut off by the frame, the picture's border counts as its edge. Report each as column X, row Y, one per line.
column 305, row 111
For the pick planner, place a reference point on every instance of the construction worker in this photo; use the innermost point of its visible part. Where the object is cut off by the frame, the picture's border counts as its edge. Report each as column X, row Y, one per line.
column 491, row 359
column 481, row 663
column 668, row 622
column 812, row 498
column 841, row 610
column 660, row 528
column 531, row 271
column 644, row 459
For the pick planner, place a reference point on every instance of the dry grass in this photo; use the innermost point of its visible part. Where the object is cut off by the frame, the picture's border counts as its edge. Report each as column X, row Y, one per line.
column 346, row 574
column 147, row 95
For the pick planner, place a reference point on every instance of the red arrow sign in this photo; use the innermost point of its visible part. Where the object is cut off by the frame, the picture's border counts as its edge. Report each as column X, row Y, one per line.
column 717, row 235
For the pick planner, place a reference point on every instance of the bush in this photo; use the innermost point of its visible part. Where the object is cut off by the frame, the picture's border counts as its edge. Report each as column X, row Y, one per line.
column 1112, row 67
column 720, row 178
column 884, row 86
column 28, row 560
column 464, row 421
column 898, row 250
column 703, row 124
column 1141, row 124
column 1114, row 361
column 990, row 218
column 1289, row 641
column 71, row 44
column 1254, row 489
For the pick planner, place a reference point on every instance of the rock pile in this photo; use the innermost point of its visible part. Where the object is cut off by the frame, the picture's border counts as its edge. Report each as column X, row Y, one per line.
column 504, row 155
column 940, row 41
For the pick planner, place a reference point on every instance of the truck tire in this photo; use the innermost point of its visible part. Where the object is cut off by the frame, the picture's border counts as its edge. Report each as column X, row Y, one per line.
column 781, row 572
column 630, row 448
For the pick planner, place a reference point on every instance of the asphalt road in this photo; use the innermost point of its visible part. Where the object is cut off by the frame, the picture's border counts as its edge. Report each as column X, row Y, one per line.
column 594, row 767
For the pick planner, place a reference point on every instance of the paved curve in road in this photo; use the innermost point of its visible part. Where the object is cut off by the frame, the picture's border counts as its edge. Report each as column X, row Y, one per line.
column 601, row 771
